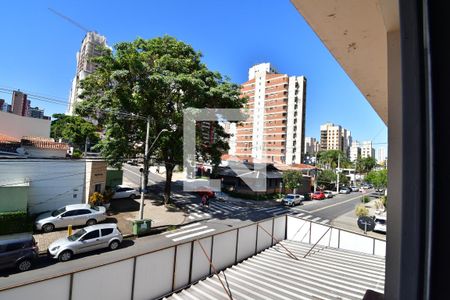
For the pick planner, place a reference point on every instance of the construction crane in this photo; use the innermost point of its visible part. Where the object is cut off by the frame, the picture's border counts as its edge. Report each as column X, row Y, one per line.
column 70, row 20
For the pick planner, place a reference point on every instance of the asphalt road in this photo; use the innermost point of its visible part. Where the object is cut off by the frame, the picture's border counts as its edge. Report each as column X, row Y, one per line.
column 219, row 216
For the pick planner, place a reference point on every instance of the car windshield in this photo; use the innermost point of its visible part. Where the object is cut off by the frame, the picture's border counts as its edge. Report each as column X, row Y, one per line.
column 58, row 211
column 76, row 235
column 289, row 197
column 95, row 207
column 379, row 221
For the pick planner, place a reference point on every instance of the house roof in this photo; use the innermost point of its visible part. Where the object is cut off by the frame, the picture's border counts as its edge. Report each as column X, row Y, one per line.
column 8, row 143
column 43, row 143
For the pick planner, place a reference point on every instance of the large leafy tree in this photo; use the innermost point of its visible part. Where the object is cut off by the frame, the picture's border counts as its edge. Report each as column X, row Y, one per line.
column 292, row 179
column 329, row 159
column 379, row 178
column 73, row 129
column 365, row 165
column 155, row 78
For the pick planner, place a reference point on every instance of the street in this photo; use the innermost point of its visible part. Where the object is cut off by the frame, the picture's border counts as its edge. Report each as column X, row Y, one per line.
column 219, row 216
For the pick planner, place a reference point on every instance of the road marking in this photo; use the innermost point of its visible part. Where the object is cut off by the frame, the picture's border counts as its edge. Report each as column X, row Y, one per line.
column 279, row 213
column 300, row 214
column 139, row 175
column 307, row 217
column 192, row 235
column 268, row 209
column 186, row 231
column 325, row 221
column 315, row 219
column 336, row 204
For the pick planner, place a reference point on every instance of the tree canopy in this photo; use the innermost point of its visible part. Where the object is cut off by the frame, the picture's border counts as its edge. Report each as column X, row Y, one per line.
column 292, row 179
column 379, row 178
column 365, row 165
column 73, row 129
column 156, row 78
column 329, row 159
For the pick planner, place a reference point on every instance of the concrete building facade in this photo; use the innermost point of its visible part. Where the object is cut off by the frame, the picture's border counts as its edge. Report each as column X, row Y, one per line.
column 312, row 146
column 335, row 137
column 367, row 150
column 20, row 103
column 275, row 128
column 355, row 151
column 90, row 48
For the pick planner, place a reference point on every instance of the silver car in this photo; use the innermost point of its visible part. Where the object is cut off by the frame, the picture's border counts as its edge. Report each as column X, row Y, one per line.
column 75, row 215
column 86, row 239
column 293, row 199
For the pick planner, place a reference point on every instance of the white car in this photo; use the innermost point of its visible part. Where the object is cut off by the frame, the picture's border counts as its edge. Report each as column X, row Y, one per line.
column 293, row 199
column 122, row 191
column 75, row 215
column 380, row 223
column 86, row 239
column 328, row 194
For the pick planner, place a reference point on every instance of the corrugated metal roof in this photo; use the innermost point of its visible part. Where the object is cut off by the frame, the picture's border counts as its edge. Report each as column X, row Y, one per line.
column 326, row 273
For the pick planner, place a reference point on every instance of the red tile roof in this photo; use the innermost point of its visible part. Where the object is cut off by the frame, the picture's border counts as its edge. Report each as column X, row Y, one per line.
column 43, row 143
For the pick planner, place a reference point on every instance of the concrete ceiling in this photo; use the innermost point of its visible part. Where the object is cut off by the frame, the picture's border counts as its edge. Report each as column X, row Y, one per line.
column 355, row 32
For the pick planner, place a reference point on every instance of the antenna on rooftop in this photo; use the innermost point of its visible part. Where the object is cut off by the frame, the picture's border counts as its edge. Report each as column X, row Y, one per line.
column 69, row 20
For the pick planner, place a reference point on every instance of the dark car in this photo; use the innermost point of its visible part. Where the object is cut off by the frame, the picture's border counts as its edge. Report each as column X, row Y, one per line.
column 18, row 251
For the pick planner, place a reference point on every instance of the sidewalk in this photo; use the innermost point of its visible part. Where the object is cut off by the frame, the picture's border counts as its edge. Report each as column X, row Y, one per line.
column 348, row 220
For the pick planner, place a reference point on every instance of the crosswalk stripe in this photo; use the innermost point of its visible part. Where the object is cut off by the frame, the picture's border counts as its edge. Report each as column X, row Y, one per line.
column 191, row 217
column 196, row 215
column 190, row 225
column 271, row 209
column 315, row 219
column 325, row 221
column 300, row 214
column 192, row 235
column 186, row 231
column 279, row 213
column 307, row 217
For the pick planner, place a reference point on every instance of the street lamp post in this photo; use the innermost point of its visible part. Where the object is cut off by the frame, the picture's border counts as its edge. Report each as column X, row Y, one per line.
column 147, row 150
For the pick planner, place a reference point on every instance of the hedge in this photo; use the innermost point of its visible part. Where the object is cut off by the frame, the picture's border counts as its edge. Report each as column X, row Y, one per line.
column 15, row 222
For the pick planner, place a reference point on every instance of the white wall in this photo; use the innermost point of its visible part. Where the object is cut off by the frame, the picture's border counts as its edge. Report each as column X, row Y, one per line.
column 53, row 183
column 18, row 126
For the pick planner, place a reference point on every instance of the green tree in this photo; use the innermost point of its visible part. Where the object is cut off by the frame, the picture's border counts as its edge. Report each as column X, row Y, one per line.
column 365, row 165
column 73, row 129
column 292, row 179
column 156, row 78
column 329, row 159
column 326, row 178
column 379, row 178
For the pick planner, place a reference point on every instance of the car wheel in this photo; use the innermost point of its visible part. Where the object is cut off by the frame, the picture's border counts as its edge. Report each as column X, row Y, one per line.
column 114, row 245
column 24, row 265
column 65, row 255
column 48, row 227
column 91, row 222
column 132, row 196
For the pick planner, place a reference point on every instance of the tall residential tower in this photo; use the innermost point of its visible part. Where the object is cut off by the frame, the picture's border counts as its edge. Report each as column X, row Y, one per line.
column 90, row 47
column 275, row 129
column 335, row 137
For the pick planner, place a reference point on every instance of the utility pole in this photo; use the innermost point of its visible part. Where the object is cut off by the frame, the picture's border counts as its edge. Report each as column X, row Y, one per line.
column 141, row 206
column 338, row 172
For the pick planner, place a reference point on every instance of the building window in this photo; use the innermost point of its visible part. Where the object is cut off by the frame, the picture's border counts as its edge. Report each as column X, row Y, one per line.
column 98, row 188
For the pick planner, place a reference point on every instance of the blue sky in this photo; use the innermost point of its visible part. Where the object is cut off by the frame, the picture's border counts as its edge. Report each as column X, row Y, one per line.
column 37, row 50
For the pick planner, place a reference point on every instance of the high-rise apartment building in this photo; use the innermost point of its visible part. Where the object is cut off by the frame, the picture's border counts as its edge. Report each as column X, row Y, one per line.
column 367, row 149
column 381, row 155
column 36, row 112
column 335, row 137
column 311, row 146
column 355, row 151
column 20, row 104
column 275, row 128
column 90, row 47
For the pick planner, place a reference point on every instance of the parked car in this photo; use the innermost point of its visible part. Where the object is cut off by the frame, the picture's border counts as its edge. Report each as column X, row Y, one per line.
column 75, row 215
column 85, row 240
column 380, row 223
column 345, row 190
column 318, row 195
column 18, row 251
column 354, row 188
column 328, row 194
column 292, row 199
column 123, row 191
column 133, row 162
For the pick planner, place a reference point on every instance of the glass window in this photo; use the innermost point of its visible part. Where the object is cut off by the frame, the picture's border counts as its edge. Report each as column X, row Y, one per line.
column 14, row 246
column 106, row 231
column 58, row 211
column 71, row 213
column 76, row 235
column 91, row 235
column 84, row 212
column 98, row 188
